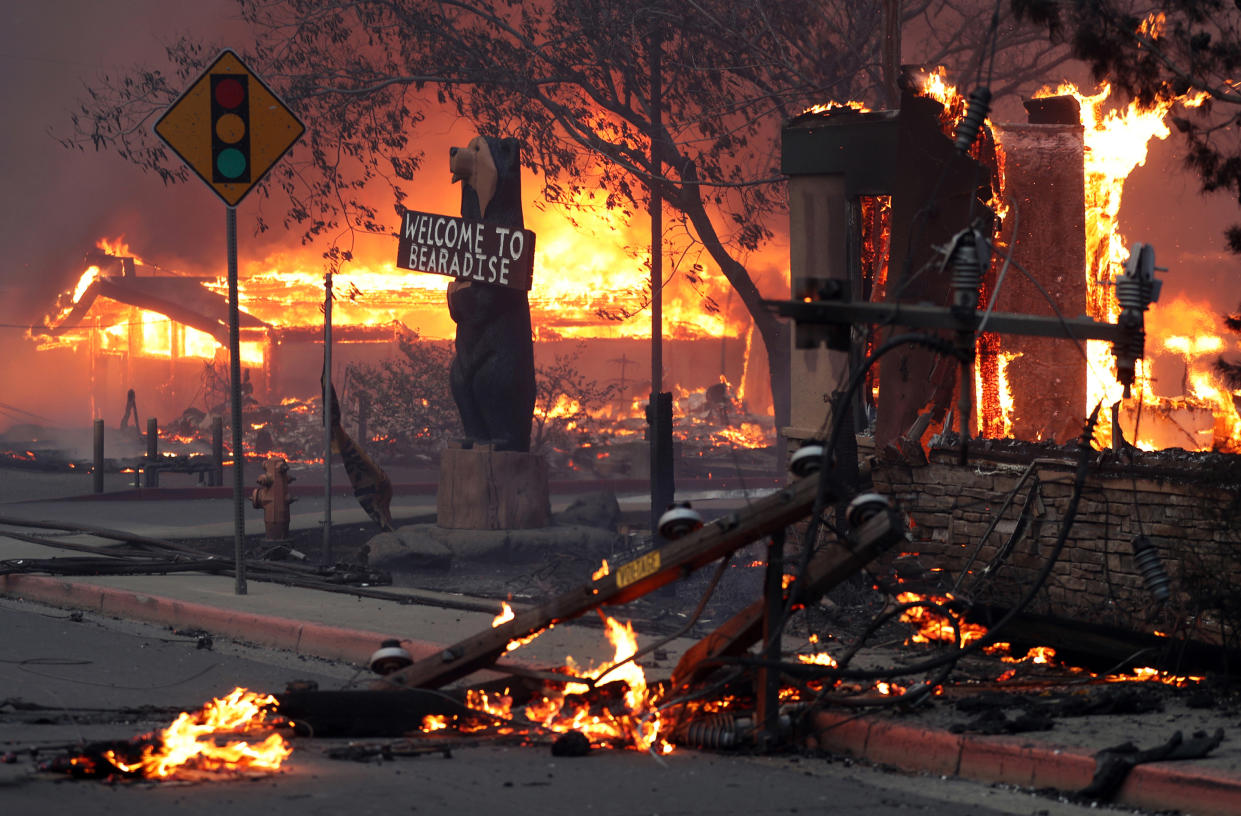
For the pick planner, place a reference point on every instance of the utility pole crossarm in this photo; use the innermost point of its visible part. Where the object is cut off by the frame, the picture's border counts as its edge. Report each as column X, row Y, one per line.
column 927, row 316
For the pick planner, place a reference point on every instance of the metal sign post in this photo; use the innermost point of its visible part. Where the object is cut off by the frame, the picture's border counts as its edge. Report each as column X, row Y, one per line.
column 230, row 129
column 234, row 357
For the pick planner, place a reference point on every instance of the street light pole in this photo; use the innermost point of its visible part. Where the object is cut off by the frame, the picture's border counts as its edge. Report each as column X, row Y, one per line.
column 659, row 409
column 234, row 354
column 327, row 420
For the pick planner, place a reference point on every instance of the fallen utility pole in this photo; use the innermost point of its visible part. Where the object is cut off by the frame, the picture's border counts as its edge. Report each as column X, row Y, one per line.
column 644, row 574
column 827, row 569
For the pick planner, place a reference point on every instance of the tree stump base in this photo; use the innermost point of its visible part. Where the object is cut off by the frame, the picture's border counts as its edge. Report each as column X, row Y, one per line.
column 483, row 489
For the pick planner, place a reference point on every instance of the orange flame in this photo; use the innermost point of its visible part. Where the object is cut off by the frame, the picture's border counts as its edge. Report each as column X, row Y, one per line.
column 117, row 247
column 828, row 107
column 190, row 741
column 506, row 614
column 935, row 627
column 636, row 726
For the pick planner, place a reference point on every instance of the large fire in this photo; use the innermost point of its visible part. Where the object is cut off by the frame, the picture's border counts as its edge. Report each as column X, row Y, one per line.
column 591, row 281
column 1117, row 141
column 588, row 284
column 1203, row 415
column 591, row 276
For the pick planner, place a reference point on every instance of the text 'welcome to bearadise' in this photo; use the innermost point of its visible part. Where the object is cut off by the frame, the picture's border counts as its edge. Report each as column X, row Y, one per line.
column 465, row 249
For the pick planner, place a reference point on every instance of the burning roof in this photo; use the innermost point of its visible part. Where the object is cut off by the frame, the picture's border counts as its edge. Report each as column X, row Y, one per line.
column 183, row 299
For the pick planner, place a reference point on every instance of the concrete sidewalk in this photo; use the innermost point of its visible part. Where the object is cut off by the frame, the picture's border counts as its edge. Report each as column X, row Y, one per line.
column 344, row 627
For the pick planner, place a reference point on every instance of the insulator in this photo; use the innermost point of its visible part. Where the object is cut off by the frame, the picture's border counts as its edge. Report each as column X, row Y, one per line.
column 1132, row 293
column 1146, row 557
column 966, row 271
column 679, row 520
column 864, row 507
column 390, row 657
column 1136, row 289
column 975, row 115
column 806, row 460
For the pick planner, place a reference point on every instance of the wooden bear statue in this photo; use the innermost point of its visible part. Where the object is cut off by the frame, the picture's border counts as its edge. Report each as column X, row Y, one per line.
column 492, row 373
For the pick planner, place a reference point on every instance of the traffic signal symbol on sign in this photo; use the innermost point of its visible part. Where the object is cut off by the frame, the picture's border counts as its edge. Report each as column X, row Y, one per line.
column 230, row 128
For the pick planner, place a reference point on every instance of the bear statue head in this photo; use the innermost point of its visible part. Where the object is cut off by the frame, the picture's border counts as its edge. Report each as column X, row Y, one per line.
column 490, row 171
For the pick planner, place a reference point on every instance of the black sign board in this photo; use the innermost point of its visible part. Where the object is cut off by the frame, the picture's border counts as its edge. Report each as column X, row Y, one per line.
column 466, row 250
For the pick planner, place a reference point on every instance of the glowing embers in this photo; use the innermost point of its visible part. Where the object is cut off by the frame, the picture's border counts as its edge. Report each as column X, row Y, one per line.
column 1046, row 656
column 816, row 658
column 926, row 614
column 234, row 733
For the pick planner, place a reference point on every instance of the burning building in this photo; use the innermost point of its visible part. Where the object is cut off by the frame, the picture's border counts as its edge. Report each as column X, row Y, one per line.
column 876, row 200
column 127, row 324
column 1049, row 192
column 1061, row 174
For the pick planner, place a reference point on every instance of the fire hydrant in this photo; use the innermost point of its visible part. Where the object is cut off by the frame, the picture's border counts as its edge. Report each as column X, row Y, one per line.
column 272, row 497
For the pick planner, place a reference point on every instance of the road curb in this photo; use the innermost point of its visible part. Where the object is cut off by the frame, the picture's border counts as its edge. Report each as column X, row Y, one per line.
column 1154, row 786
column 1009, row 760
column 310, row 639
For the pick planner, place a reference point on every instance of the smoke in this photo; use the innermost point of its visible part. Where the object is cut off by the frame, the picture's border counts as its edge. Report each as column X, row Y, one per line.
column 58, row 201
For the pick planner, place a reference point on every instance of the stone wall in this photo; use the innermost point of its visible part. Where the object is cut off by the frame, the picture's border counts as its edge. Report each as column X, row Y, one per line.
column 1184, row 512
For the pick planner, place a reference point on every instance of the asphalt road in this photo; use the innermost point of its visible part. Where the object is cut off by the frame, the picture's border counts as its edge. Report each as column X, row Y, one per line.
column 91, row 679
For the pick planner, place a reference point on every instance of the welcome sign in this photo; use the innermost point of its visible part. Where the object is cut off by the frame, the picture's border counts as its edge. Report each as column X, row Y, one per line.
column 466, row 250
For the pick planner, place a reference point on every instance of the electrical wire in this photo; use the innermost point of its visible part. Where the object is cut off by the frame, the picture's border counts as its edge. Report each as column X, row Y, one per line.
column 825, row 466
column 1012, row 494
column 120, row 687
column 993, row 631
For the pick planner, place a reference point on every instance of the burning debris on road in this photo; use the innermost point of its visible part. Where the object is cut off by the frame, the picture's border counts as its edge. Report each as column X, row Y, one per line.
column 236, row 733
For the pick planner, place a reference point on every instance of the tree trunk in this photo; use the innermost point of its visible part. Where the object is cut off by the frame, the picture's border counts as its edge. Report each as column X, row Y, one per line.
column 892, row 52
column 772, row 330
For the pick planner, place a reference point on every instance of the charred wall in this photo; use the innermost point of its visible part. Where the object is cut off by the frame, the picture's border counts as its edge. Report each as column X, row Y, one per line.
column 1183, row 511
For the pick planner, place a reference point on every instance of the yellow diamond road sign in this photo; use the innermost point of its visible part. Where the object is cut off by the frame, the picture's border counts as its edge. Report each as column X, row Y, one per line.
column 229, row 128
